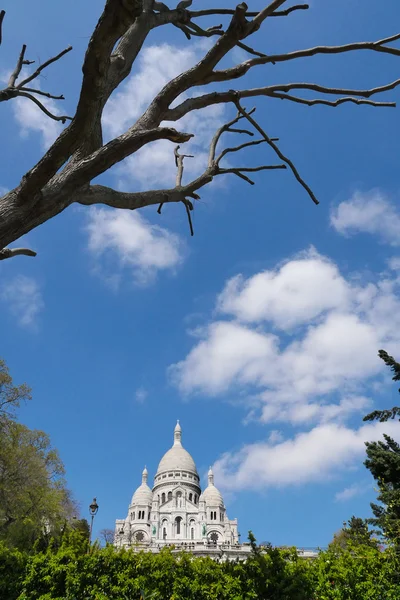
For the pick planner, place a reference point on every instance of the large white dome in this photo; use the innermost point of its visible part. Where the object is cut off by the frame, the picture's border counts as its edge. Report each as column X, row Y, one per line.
column 177, row 458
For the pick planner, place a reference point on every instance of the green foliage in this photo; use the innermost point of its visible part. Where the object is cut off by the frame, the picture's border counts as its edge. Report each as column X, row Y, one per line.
column 354, row 532
column 11, row 396
column 383, row 460
column 357, row 572
column 34, row 501
column 70, row 572
column 12, row 572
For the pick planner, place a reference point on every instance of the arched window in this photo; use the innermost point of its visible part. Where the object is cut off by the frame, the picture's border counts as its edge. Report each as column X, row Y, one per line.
column 190, row 497
column 178, row 525
column 164, row 533
column 195, row 498
column 192, row 533
column 211, row 515
column 133, row 515
column 163, row 498
column 148, row 517
column 215, row 515
column 169, row 495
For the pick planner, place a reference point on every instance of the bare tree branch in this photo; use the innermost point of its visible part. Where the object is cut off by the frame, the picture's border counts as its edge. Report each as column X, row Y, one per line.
column 62, row 118
column 229, row 11
column 21, row 61
column 277, row 151
column 332, row 102
column 43, row 66
column 10, row 252
column 2, row 15
column 64, row 174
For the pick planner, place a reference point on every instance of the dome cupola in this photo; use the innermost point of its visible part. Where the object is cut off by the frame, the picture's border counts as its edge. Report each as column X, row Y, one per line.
column 211, row 495
column 143, row 495
column 177, row 458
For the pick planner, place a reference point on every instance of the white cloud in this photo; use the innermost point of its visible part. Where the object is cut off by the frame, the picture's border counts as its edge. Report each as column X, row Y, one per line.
column 313, row 456
column 23, row 298
column 229, row 353
column 356, row 489
column 318, row 372
column 369, row 212
column 141, row 395
column 154, row 164
column 295, row 293
column 126, row 240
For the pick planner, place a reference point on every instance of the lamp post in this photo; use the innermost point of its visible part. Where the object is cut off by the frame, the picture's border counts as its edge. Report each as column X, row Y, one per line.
column 93, row 509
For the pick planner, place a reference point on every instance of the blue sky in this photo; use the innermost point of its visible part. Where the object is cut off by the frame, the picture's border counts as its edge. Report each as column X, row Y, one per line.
column 261, row 332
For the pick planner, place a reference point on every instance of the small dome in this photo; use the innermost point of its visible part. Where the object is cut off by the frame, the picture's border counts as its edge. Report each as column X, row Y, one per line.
column 177, row 458
column 211, row 495
column 143, row 494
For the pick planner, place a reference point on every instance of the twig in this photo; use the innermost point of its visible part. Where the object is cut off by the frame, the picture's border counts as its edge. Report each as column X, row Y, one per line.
column 277, row 151
column 240, row 170
column 62, row 118
column 10, row 252
column 21, row 61
column 2, row 15
column 194, row 29
column 46, row 94
column 229, row 11
column 43, row 66
column 332, row 102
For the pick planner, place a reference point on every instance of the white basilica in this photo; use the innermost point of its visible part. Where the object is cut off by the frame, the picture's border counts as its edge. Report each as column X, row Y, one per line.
column 177, row 513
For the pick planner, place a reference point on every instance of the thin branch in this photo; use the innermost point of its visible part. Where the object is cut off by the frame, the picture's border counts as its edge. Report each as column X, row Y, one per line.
column 337, row 91
column 277, row 151
column 228, row 11
column 332, row 102
column 2, row 15
column 199, row 102
column 179, row 163
column 239, row 171
column 62, row 118
column 256, row 23
column 43, row 66
column 237, row 148
column 41, row 93
column 194, row 29
column 20, row 62
column 11, row 252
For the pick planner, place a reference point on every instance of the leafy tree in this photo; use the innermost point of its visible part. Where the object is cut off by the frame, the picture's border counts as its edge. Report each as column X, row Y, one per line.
column 11, row 395
column 354, row 532
column 383, row 461
column 357, row 572
column 34, row 501
column 63, row 175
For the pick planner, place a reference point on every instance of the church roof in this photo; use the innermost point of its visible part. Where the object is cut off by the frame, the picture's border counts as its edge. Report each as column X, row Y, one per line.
column 143, row 495
column 177, row 458
column 211, row 495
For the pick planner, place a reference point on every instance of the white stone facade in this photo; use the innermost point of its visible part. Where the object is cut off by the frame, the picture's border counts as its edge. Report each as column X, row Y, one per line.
column 175, row 512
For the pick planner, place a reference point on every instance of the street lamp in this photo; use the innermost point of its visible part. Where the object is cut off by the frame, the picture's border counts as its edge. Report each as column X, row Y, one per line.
column 93, row 509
